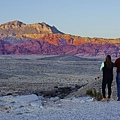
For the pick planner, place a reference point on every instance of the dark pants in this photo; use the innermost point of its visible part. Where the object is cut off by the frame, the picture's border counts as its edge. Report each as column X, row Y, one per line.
column 118, row 85
column 108, row 83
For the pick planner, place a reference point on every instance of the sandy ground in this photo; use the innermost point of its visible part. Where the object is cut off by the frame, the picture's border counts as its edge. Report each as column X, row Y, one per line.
column 20, row 74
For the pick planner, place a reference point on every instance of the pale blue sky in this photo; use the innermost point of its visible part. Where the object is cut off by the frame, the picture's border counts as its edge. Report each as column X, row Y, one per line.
column 85, row 18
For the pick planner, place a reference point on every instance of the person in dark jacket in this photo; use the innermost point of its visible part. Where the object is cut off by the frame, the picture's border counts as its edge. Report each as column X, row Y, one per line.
column 117, row 65
column 107, row 69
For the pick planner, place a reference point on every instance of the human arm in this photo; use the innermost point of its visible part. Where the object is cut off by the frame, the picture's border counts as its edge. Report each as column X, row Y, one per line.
column 102, row 65
column 115, row 63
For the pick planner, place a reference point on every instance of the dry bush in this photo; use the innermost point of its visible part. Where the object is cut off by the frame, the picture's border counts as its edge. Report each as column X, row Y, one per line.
column 93, row 93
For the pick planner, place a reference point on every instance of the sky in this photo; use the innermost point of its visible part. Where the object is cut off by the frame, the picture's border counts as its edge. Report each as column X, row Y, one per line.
column 85, row 18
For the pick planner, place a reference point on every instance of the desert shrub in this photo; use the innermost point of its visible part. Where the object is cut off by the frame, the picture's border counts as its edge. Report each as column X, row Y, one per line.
column 89, row 92
column 99, row 95
column 93, row 93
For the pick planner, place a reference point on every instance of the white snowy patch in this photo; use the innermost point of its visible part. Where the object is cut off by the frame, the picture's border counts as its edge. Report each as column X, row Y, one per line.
column 31, row 107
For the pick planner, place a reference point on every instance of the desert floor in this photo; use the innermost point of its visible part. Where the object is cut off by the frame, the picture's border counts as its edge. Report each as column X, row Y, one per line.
column 26, row 74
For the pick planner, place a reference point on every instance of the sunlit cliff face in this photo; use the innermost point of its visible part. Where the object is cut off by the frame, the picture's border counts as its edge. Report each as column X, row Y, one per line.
column 70, row 39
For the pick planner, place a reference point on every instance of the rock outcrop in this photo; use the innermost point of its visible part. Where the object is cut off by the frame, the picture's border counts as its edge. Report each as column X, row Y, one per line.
column 17, row 28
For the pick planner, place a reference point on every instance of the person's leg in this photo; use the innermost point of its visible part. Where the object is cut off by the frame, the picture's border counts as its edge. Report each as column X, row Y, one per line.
column 103, row 88
column 118, row 85
column 109, row 89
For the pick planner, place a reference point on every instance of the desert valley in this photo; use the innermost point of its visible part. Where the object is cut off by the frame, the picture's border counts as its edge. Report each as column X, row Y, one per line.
column 39, row 60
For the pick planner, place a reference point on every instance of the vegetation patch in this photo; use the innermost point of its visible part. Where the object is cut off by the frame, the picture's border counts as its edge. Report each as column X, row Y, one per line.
column 94, row 93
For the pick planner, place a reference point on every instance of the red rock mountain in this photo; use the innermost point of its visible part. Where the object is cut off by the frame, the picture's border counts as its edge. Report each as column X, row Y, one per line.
column 41, row 38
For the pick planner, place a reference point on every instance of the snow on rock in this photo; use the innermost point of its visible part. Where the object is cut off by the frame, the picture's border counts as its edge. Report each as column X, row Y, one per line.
column 79, row 99
column 54, row 99
column 26, row 98
column 15, row 102
column 36, row 104
column 7, row 98
column 83, row 99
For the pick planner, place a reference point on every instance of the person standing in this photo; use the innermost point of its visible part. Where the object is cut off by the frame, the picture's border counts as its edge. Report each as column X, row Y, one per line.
column 107, row 69
column 117, row 65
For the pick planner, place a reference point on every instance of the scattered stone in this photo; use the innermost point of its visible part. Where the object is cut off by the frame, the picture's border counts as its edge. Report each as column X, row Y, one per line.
column 19, row 113
column 54, row 99
column 5, row 108
column 9, row 93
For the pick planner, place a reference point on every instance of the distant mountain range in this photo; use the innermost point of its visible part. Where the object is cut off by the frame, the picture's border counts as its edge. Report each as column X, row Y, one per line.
column 41, row 38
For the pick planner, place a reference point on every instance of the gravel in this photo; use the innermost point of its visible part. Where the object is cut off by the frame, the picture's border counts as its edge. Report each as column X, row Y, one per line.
column 66, row 109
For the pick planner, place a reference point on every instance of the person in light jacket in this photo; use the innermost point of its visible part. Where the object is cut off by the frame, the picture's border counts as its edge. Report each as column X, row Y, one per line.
column 107, row 69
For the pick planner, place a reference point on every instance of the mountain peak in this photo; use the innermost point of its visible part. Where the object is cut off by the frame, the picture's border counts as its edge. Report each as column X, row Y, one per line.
column 12, row 25
column 43, row 23
column 18, row 28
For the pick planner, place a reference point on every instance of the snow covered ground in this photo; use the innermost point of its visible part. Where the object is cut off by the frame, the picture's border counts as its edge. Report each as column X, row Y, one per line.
column 32, row 107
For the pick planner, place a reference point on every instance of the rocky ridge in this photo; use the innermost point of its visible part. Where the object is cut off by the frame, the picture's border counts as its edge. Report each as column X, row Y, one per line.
column 16, row 28
column 45, row 48
column 40, row 38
